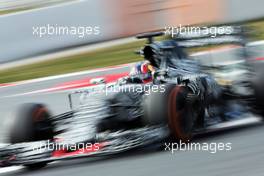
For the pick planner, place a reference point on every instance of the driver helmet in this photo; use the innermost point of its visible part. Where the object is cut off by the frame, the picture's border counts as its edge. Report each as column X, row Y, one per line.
column 142, row 72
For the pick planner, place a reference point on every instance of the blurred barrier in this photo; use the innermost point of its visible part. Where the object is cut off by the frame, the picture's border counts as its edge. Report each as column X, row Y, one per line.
column 113, row 19
column 241, row 10
column 16, row 30
column 138, row 16
column 116, row 18
column 26, row 4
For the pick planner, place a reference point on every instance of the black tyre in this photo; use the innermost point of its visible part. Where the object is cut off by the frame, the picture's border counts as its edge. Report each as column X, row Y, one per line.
column 32, row 123
column 171, row 107
column 258, row 85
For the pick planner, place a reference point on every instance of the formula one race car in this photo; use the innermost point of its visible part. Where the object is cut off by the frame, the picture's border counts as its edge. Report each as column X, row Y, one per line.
column 181, row 100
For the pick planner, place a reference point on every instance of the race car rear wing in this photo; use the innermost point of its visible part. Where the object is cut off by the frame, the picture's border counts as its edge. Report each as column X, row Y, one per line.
column 205, row 36
column 193, row 36
column 149, row 36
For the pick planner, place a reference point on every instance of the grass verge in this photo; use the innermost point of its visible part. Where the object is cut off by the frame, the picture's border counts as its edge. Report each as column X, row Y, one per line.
column 99, row 58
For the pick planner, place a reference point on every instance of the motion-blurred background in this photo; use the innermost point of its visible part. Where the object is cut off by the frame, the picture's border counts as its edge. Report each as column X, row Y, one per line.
column 24, row 56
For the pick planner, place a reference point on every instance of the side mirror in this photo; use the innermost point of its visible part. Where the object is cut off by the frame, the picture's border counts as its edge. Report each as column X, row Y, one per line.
column 97, row 81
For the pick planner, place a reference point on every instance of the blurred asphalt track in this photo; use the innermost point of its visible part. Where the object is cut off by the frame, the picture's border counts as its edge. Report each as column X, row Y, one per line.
column 245, row 158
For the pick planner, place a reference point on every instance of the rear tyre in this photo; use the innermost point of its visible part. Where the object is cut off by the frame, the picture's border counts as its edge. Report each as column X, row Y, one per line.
column 180, row 114
column 258, row 84
column 32, row 123
column 171, row 107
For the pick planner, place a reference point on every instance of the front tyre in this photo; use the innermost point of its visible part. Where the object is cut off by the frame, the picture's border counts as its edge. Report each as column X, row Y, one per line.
column 32, row 123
